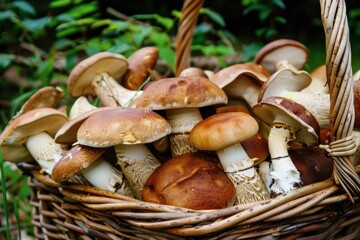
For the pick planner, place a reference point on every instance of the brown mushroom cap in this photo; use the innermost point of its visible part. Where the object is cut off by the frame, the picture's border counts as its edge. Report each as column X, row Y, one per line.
column 32, row 122
column 222, row 130
column 67, row 134
column 193, row 71
column 80, row 81
column 191, row 180
column 301, row 121
column 294, row 52
column 180, row 92
column 141, row 62
column 74, row 161
column 122, row 126
column 284, row 80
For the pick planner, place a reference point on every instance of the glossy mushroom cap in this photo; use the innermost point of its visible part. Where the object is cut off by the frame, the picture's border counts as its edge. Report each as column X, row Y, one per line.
column 74, row 161
column 122, row 126
column 141, row 62
column 193, row 71
column 191, row 180
column 80, row 80
column 180, row 92
column 302, row 122
column 222, row 130
column 293, row 52
column 32, row 122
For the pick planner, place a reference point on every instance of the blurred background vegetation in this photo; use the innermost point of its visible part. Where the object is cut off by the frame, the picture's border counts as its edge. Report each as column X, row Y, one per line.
column 40, row 44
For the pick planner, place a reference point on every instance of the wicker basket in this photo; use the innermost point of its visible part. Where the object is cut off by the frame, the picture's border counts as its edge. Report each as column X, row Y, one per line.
column 325, row 210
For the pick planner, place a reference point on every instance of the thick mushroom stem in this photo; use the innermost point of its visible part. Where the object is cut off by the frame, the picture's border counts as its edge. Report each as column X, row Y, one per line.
column 80, row 106
column 240, row 169
column 246, row 90
column 285, row 175
column 44, row 150
column 283, row 64
column 103, row 175
column 111, row 93
column 137, row 163
column 182, row 121
column 317, row 104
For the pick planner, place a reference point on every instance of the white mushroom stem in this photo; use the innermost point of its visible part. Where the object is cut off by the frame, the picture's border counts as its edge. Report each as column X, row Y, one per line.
column 103, row 175
column 44, row 150
column 245, row 89
column 264, row 173
column 112, row 94
column 182, row 121
column 317, row 104
column 285, row 175
column 239, row 168
column 80, row 106
column 137, row 163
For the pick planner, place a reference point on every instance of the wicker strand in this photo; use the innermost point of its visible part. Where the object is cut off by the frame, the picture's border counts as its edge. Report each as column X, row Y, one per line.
column 190, row 12
column 339, row 76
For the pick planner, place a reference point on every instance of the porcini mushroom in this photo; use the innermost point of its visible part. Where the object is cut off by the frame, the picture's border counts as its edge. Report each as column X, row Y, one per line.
column 282, row 53
column 181, row 98
column 128, row 130
column 141, row 62
column 223, row 133
column 98, row 75
column 30, row 136
column 80, row 106
column 289, row 121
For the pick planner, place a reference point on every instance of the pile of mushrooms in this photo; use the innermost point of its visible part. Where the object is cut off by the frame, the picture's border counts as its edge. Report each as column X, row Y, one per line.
column 159, row 140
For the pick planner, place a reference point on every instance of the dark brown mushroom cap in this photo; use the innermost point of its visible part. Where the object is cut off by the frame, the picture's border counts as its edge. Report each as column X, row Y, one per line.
column 74, row 161
column 296, row 116
column 32, row 122
column 180, row 92
column 80, row 80
column 222, row 130
column 289, row 50
column 141, row 62
column 122, row 126
column 191, row 180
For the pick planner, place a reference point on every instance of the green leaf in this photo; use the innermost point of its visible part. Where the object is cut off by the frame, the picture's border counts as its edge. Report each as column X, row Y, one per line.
column 45, row 70
column 24, row 7
column 216, row 17
column 139, row 37
column 92, row 49
column 264, row 14
column 59, row 3
column 160, row 38
column 167, row 23
column 280, row 19
column 36, row 24
column 249, row 51
column 83, row 10
column 101, row 23
column 5, row 60
column 7, row 14
column 4, row 197
column 279, row 3
column 168, row 55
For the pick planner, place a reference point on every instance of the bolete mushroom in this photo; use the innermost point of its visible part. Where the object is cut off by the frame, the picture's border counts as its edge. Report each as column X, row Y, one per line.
column 98, row 75
column 128, row 130
column 30, row 136
column 282, row 53
column 289, row 121
column 80, row 106
column 181, row 99
column 223, row 133
column 192, row 180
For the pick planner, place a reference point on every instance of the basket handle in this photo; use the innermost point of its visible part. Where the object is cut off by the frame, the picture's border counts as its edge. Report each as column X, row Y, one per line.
column 339, row 77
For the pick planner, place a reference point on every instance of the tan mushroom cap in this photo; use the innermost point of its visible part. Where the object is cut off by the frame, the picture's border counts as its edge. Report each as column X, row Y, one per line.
column 122, row 126
column 141, row 62
column 193, row 71
column 180, row 92
column 294, row 52
column 67, row 134
column 32, row 122
column 301, row 121
column 80, row 81
column 284, row 80
column 222, row 130
column 74, row 161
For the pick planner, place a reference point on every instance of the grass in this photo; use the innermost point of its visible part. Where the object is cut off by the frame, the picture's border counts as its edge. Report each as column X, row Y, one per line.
column 4, row 196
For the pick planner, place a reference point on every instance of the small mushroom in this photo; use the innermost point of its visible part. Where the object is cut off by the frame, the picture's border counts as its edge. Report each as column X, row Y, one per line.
column 181, row 99
column 98, row 75
column 282, row 53
column 223, row 133
column 192, row 180
column 141, row 62
column 289, row 121
column 242, row 81
column 30, row 136
column 128, row 130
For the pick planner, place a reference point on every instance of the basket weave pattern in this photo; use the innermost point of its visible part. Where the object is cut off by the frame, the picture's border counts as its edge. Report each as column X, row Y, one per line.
column 324, row 210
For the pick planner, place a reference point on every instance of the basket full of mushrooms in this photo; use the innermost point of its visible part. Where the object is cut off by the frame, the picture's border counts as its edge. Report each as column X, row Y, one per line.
column 260, row 150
